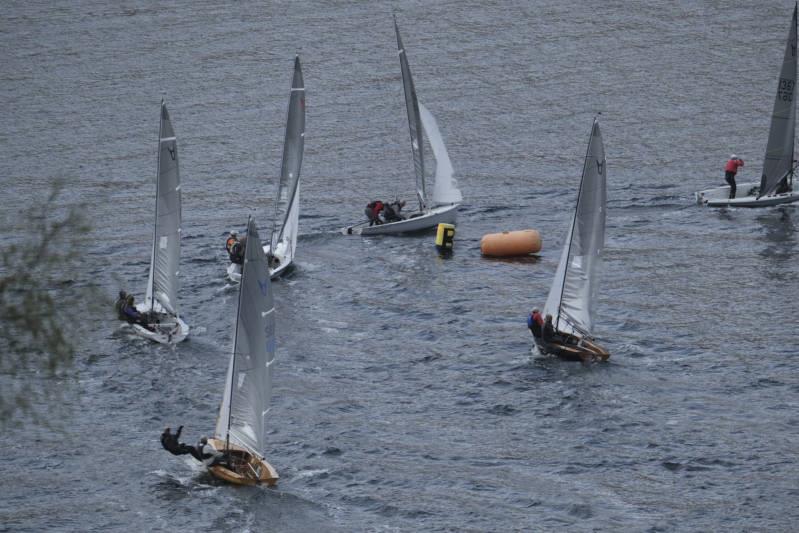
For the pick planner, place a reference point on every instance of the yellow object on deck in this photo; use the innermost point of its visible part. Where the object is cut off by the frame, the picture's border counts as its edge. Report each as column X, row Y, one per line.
column 510, row 243
column 445, row 236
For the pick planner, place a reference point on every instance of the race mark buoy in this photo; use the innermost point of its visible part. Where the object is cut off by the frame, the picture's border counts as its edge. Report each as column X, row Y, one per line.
column 445, row 236
column 510, row 243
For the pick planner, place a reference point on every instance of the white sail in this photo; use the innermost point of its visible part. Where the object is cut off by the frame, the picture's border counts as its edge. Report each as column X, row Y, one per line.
column 162, row 285
column 414, row 121
column 571, row 299
column 248, row 387
column 445, row 190
column 288, row 197
column 778, row 161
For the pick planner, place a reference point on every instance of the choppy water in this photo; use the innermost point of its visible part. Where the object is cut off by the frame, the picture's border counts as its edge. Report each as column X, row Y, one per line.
column 406, row 396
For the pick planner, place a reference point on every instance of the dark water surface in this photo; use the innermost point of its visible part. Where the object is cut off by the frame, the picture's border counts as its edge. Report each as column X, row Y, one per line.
column 406, row 395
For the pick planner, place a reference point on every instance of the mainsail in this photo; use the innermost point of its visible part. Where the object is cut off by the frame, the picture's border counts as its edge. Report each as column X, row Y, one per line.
column 414, row 122
column 248, row 387
column 778, row 162
column 572, row 296
column 445, row 190
column 162, row 285
column 293, row 144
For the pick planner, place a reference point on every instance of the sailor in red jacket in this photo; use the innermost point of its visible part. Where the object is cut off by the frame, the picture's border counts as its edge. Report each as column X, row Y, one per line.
column 730, row 169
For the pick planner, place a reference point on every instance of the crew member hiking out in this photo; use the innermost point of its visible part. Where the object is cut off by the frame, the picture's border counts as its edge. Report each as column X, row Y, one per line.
column 730, row 170
column 536, row 323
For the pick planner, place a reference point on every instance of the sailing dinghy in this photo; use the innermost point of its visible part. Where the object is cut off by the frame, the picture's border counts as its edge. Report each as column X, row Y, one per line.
column 283, row 243
column 160, row 306
column 446, row 195
column 776, row 183
column 572, row 296
column 241, row 423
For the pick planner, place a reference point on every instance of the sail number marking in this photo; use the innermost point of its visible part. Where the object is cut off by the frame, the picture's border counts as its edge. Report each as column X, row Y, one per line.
column 785, row 90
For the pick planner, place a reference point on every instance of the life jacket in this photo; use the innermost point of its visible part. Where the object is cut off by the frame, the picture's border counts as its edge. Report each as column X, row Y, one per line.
column 733, row 164
column 377, row 208
column 230, row 242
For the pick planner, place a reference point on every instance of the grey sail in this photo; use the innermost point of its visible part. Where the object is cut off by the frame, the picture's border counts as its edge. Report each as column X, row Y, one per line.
column 248, row 386
column 414, row 121
column 162, row 286
column 293, row 145
column 571, row 299
column 778, row 162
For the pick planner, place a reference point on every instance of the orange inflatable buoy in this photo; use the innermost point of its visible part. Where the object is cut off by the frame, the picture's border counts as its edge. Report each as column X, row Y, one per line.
column 510, row 243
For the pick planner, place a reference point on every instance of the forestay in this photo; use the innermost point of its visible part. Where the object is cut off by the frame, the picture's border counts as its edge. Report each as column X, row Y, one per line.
column 445, row 190
column 162, row 285
column 572, row 296
column 248, row 387
column 288, row 188
column 778, row 162
column 414, row 121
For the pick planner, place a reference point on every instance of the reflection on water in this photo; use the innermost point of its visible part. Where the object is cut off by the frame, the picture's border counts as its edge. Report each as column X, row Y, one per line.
column 780, row 234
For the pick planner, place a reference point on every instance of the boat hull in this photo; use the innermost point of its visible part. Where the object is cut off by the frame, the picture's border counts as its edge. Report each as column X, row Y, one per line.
column 415, row 222
column 719, row 197
column 574, row 348
column 172, row 330
column 284, row 265
column 250, row 469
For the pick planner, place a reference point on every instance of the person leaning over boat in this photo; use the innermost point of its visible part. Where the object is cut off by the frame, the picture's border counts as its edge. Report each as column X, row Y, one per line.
column 235, row 247
column 372, row 211
column 126, row 309
column 730, row 169
column 119, row 305
column 209, row 455
column 535, row 323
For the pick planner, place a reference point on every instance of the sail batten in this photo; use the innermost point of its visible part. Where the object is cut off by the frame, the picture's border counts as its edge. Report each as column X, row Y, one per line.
column 248, row 384
column 162, row 284
column 414, row 120
column 571, row 299
column 778, row 161
column 287, row 201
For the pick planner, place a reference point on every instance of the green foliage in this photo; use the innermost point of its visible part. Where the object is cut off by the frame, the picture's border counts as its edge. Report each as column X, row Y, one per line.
column 39, row 299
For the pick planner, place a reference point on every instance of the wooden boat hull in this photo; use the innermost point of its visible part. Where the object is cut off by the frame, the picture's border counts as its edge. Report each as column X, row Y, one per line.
column 574, row 349
column 251, row 470
column 719, row 197
column 415, row 222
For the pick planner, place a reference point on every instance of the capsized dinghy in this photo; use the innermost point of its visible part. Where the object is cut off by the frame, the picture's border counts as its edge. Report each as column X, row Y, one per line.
column 245, row 404
column 283, row 243
column 446, row 195
column 776, row 183
column 571, row 299
column 160, row 306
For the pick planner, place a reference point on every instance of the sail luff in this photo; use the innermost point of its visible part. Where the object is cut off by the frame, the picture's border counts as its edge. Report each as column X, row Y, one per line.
column 293, row 146
column 148, row 294
column 778, row 161
column 414, row 121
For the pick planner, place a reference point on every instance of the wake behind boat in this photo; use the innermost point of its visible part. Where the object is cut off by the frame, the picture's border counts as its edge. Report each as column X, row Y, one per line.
column 776, row 183
column 158, row 318
column 388, row 219
column 571, row 299
column 283, row 242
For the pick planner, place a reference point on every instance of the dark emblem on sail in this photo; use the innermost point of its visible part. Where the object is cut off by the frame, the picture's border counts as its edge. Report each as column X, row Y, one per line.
column 600, row 166
column 264, row 286
column 172, row 151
